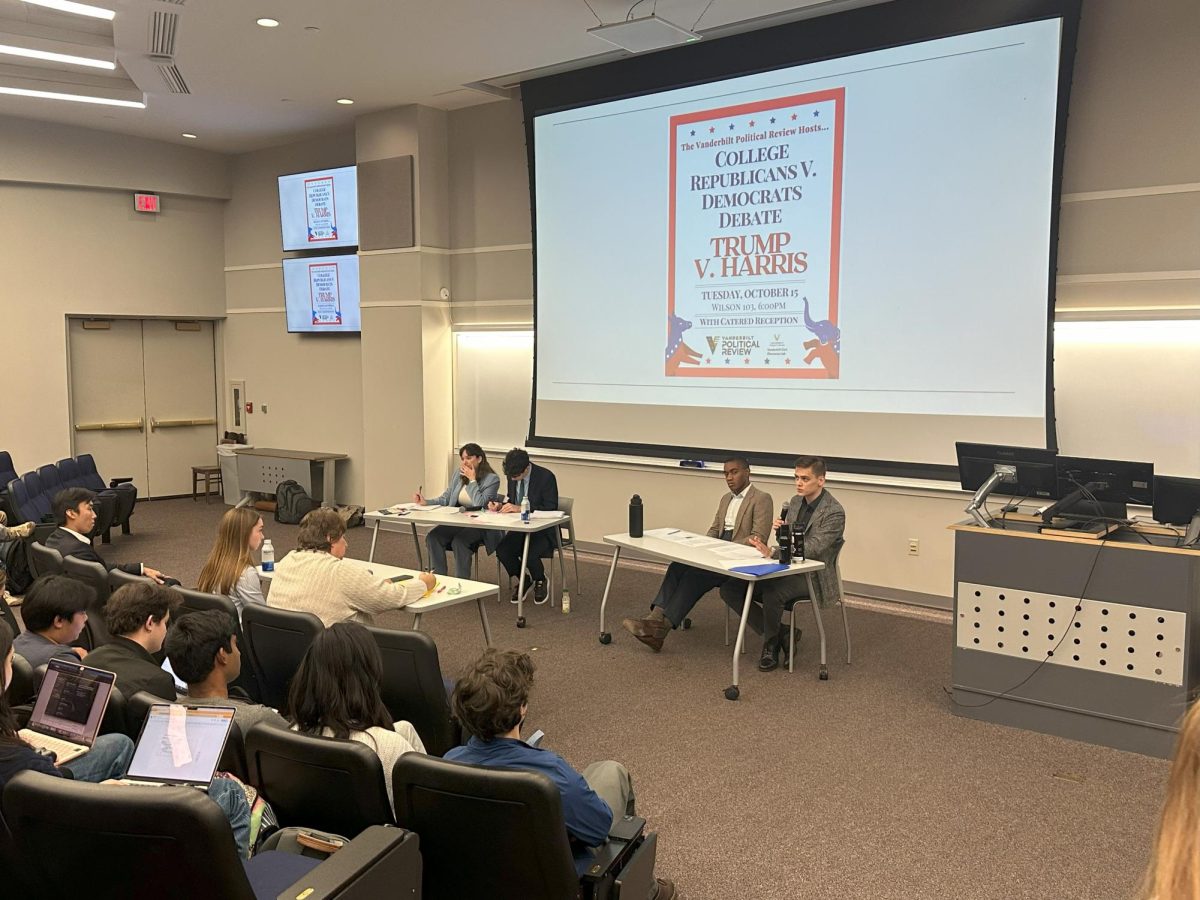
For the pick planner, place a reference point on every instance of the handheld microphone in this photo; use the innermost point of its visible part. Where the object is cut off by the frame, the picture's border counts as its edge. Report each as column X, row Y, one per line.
column 783, row 534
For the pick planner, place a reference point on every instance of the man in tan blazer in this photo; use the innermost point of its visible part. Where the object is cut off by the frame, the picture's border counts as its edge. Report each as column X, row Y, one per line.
column 744, row 516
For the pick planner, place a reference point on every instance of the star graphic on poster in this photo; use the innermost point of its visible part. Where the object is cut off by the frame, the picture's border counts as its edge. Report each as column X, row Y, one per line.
column 751, row 123
column 693, row 132
column 746, row 360
column 767, row 361
column 726, row 362
column 816, row 112
column 793, row 117
column 772, row 120
column 731, row 126
column 708, row 360
column 787, row 362
column 711, row 130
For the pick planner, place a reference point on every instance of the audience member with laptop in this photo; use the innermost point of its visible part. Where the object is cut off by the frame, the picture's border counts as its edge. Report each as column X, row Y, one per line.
column 54, row 612
column 137, row 616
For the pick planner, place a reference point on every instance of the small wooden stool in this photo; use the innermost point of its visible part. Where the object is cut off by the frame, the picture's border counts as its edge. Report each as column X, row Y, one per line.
column 210, row 474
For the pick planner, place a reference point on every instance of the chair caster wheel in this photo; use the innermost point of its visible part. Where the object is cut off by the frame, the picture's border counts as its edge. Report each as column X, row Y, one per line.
column 687, row 623
column 605, row 637
column 520, row 621
column 732, row 692
column 824, row 674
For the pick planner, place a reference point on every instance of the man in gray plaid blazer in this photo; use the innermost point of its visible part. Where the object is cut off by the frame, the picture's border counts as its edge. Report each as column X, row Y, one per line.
column 820, row 518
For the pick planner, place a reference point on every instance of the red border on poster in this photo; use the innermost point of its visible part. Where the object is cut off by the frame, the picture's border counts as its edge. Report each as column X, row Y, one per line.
column 333, row 209
column 337, row 280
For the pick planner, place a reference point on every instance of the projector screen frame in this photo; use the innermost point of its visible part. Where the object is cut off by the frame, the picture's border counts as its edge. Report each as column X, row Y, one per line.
column 876, row 27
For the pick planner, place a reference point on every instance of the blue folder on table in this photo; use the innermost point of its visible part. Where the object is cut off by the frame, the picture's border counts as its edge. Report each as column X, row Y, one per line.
column 760, row 569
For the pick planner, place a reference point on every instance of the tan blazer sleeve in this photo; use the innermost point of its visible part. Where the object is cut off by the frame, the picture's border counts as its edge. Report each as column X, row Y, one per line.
column 763, row 512
column 718, row 523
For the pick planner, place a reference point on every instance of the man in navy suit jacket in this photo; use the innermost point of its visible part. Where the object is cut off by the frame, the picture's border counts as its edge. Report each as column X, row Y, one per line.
column 540, row 487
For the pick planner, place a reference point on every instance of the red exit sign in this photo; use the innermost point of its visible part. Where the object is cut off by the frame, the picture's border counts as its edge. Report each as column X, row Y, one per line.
column 146, row 203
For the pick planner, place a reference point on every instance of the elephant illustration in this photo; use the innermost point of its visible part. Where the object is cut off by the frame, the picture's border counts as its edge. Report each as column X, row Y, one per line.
column 825, row 331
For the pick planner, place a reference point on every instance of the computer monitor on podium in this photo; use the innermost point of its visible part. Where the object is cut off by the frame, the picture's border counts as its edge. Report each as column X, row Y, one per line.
column 1015, row 471
column 1100, row 488
column 1177, row 502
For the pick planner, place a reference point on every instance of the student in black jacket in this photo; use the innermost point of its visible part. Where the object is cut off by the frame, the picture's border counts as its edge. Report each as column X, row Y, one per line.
column 75, row 516
column 538, row 484
column 137, row 617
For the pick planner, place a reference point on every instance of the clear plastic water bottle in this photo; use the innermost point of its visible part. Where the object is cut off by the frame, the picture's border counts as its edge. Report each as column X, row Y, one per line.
column 525, row 509
column 268, row 556
column 566, row 601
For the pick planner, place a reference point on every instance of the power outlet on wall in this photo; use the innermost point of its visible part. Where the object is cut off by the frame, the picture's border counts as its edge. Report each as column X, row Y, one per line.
column 914, row 547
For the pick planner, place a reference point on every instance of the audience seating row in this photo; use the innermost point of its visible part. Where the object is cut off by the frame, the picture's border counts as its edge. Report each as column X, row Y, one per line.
column 30, row 497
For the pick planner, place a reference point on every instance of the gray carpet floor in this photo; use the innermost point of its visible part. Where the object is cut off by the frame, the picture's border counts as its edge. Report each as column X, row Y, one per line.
column 862, row 786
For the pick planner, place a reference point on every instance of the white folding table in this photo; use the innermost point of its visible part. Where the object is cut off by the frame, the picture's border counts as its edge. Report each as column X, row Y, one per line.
column 449, row 592
column 697, row 550
column 400, row 520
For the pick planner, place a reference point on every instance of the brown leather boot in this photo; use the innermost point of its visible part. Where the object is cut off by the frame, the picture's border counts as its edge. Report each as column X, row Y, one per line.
column 650, row 631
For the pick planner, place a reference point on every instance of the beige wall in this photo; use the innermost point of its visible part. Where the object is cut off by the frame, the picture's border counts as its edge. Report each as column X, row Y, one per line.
column 82, row 250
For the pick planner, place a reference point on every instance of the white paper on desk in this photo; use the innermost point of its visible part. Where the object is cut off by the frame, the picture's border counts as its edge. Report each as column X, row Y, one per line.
column 737, row 551
column 546, row 514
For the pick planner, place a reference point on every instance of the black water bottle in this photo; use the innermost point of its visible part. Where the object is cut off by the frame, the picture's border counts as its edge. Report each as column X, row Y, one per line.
column 784, row 535
column 635, row 516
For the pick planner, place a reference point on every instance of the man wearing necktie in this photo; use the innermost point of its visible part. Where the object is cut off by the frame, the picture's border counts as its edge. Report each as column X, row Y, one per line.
column 538, row 484
column 743, row 516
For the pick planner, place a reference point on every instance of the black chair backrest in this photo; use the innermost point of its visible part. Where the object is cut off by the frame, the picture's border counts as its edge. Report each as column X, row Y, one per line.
column 94, row 576
column 319, row 782
column 45, row 560
column 21, row 689
column 116, row 716
column 7, row 472
column 118, row 578
column 199, row 601
column 132, row 842
column 277, row 640
column 510, row 819
column 233, row 757
column 412, row 686
column 68, row 471
column 9, row 617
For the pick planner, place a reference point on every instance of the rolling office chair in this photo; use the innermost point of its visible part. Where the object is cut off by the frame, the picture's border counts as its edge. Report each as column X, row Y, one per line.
column 326, row 783
column 565, row 505
column 173, row 841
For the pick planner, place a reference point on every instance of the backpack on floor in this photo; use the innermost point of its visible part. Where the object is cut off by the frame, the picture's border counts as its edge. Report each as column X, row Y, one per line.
column 352, row 516
column 292, row 503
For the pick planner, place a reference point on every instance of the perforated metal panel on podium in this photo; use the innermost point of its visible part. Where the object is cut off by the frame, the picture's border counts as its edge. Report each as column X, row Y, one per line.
column 1087, row 639
column 261, row 469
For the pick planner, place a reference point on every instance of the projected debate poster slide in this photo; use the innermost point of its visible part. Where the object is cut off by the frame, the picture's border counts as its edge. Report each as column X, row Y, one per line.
column 324, row 294
column 320, row 209
column 755, row 220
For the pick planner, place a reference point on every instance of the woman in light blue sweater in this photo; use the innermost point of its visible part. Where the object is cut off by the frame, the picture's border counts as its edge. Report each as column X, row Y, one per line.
column 471, row 487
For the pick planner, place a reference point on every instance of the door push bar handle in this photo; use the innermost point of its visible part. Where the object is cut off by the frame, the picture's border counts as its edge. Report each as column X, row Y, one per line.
column 137, row 425
column 179, row 423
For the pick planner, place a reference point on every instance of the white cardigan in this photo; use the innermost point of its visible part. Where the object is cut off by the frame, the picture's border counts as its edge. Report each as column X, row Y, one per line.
column 317, row 582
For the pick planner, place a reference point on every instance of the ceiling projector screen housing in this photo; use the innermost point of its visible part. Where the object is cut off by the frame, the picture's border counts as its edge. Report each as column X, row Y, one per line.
column 321, row 294
column 319, row 209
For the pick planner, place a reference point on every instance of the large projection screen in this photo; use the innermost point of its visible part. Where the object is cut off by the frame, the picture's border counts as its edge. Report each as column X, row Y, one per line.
column 851, row 256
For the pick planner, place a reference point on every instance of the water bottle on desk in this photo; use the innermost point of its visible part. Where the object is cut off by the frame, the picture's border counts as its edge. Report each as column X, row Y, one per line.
column 525, row 509
column 268, row 556
column 635, row 516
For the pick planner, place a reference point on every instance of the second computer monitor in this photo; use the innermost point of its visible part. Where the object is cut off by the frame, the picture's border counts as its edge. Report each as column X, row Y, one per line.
column 1176, row 500
column 1107, row 480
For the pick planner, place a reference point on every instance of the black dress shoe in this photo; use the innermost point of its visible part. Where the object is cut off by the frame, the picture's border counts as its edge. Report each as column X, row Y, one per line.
column 769, row 660
column 539, row 592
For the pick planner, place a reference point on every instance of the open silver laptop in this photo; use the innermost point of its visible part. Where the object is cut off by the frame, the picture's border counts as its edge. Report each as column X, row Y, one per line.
column 180, row 745
column 69, row 709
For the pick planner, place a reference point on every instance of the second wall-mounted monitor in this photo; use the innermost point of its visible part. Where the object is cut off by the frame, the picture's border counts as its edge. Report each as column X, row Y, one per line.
column 321, row 294
column 319, row 209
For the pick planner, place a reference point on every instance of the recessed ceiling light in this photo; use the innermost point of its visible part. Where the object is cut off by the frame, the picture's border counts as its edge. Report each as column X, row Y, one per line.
column 189, row 136
column 268, row 23
column 345, row 101
column 78, row 9
column 311, row 28
column 77, row 98
column 9, row 50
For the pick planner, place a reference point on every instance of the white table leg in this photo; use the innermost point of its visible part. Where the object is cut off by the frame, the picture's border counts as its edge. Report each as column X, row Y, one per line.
column 823, row 672
column 328, row 469
column 374, row 539
column 487, row 629
column 417, row 622
column 605, row 637
column 732, row 692
column 521, row 584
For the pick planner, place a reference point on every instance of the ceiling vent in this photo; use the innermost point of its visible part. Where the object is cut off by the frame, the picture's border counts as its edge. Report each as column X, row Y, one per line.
column 174, row 80
column 162, row 34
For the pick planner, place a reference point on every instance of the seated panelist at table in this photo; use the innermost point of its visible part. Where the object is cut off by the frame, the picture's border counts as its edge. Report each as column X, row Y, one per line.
column 472, row 486
column 538, row 485
column 743, row 517
column 820, row 520
column 315, row 578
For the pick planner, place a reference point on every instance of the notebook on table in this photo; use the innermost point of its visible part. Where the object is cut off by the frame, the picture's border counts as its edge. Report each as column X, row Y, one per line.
column 69, row 709
column 180, row 745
